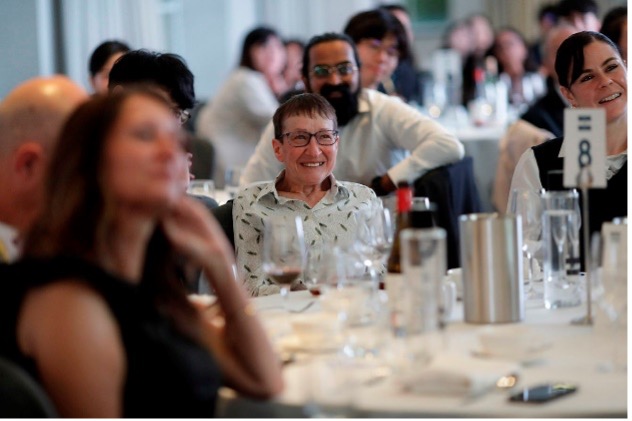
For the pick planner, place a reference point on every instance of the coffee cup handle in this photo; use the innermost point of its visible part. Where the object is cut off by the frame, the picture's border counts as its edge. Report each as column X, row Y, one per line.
column 448, row 295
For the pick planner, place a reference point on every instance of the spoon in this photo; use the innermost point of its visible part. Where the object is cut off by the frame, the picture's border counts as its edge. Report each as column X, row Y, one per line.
column 507, row 382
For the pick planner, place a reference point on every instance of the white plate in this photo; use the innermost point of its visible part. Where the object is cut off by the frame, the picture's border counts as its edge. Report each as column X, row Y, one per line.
column 292, row 343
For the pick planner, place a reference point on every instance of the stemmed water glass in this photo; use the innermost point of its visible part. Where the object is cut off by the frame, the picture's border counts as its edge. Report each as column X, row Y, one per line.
column 283, row 251
column 375, row 237
column 528, row 204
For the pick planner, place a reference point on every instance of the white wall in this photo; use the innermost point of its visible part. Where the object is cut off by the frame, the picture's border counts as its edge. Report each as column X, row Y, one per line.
column 26, row 44
column 207, row 33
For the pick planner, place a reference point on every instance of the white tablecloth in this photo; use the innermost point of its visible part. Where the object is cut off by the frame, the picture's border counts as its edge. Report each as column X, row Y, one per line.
column 574, row 356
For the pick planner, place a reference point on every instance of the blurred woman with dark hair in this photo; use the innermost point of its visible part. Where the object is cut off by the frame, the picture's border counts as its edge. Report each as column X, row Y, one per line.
column 101, row 61
column 103, row 321
column 524, row 83
column 382, row 42
column 234, row 119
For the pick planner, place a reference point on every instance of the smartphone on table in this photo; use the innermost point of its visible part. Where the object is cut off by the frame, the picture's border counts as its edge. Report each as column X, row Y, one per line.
column 543, row 393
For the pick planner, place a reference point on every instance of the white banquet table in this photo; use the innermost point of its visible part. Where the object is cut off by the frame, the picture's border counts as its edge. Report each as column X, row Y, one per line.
column 573, row 356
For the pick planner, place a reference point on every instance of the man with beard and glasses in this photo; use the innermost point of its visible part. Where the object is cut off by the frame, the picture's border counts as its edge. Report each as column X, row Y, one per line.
column 382, row 139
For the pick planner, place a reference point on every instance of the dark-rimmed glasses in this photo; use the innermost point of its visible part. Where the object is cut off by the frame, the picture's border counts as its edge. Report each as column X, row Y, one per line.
column 324, row 70
column 300, row 138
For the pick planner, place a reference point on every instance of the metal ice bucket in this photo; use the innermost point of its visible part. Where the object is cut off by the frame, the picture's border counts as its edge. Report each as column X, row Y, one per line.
column 491, row 260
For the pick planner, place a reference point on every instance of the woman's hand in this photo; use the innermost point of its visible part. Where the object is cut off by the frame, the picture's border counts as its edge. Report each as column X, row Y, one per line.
column 195, row 233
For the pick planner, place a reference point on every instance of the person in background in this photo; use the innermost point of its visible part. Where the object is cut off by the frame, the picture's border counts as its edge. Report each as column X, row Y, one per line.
column 169, row 72
column 615, row 27
column 548, row 111
column 582, row 14
column 547, row 19
column 292, row 72
column 542, row 121
column 591, row 74
column 457, row 36
column 233, row 120
column 524, row 83
column 382, row 139
column 31, row 116
column 406, row 77
column 305, row 143
column 481, row 35
column 101, row 62
column 128, row 342
column 381, row 42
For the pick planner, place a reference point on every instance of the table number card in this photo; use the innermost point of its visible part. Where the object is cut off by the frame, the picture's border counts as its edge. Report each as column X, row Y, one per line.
column 585, row 145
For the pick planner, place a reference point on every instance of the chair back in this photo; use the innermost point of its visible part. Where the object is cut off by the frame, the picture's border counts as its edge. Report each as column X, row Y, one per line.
column 20, row 395
column 452, row 188
column 224, row 215
column 203, row 153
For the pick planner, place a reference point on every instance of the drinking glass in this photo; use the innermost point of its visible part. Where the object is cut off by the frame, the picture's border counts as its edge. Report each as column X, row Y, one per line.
column 528, row 204
column 567, row 200
column 614, row 298
column 231, row 180
column 283, row 251
column 201, row 187
column 375, row 235
column 320, row 274
column 560, row 287
column 561, row 225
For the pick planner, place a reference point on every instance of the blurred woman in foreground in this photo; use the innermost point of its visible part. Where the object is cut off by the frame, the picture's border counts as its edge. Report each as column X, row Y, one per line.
column 105, row 324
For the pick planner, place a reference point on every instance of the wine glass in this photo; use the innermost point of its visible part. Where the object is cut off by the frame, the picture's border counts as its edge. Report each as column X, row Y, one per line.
column 283, row 251
column 375, row 234
column 613, row 300
column 201, row 187
column 528, row 204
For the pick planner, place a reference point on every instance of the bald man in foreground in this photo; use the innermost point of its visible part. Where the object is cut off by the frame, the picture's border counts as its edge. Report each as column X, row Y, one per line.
column 31, row 117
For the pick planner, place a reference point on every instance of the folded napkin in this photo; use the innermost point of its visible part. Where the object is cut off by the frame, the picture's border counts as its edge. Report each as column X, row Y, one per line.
column 457, row 375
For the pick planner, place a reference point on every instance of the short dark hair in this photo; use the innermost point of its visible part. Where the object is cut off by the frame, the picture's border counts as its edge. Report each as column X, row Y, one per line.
column 569, row 61
column 547, row 11
column 391, row 7
column 167, row 71
column 612, row 23
column 376, row 24
column 568, row 7
column 102, row 54
column 307, row 104
column 257, row 36
column 327, row 37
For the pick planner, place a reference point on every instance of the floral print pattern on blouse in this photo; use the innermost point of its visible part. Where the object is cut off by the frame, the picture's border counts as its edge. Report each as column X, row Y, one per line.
column 331, row 221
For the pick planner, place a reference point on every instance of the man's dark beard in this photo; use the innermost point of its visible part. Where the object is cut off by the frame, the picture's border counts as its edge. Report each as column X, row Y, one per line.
column 346, row 105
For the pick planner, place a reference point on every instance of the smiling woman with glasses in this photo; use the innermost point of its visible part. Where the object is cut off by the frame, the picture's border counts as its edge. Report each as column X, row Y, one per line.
column 305, row 188
column 301, row 138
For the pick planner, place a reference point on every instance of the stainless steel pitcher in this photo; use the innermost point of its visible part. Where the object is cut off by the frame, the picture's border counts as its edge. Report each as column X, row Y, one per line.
column 491, row 260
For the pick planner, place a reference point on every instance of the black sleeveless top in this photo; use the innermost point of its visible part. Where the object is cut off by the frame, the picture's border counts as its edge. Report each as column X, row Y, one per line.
column 168, row 374
column 603, row 204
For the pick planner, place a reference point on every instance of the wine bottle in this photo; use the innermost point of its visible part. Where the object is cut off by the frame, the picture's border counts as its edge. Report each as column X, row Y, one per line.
column 404, row 207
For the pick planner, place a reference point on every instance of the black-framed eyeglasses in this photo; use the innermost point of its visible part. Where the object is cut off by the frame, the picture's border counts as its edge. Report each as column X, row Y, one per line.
column 300, row 138
column 182, row 115
column 324, row 70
